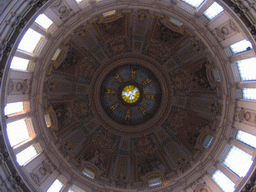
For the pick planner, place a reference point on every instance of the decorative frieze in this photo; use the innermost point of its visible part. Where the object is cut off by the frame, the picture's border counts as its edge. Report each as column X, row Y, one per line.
column 19, row 86
column 62, row 9
column 42, row 172
column 225, row 30
column 246, row 116
column 202, row 187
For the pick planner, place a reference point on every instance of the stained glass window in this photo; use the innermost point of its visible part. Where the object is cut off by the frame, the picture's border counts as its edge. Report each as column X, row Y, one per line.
column 130, row 94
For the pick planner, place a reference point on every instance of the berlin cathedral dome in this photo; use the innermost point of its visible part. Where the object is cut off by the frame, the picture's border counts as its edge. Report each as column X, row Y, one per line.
column 128, row 95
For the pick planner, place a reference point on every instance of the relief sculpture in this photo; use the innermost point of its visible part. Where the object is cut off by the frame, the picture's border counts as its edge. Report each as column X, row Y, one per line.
column 149, row 163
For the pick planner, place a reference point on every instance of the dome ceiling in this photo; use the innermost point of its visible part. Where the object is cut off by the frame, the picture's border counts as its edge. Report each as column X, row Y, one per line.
column 127, row 95
column 123, row 141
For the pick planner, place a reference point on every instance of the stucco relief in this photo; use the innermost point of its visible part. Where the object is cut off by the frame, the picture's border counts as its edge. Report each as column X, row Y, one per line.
column 246, row 116
column 40, row 173
column 19, row 86
column 225, row 30
column 62, row 9
column 202, row 187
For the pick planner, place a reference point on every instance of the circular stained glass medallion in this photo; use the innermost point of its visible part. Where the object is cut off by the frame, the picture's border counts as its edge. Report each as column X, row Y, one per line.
column 130, row 94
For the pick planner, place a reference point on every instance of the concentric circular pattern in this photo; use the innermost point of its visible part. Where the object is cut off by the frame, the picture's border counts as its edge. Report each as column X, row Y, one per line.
column 130, row 94
column 146, row 114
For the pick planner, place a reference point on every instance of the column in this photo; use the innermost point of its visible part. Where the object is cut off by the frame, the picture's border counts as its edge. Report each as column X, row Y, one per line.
column 242, row 146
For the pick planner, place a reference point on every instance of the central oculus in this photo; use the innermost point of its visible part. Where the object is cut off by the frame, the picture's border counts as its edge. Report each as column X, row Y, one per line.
column 130, row 94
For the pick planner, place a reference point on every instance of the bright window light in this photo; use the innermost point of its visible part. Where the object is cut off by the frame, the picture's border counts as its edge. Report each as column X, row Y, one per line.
column 207, row 141
column 19, row 63
column 247, row 69
column 26, row 155
column 194, row 3
column 154, row 182
column 29, row 41
column 78, row 1
column 56, row 54
column 47, row 119
column 88, row 173
column 249, row 93
column 11, row 108
column 43, row 21
column 214, row 10
column 241, row 46
column 56, row 186
column 238, row 161
column 247, row 138
column 223, row 181
column 176, row 22
column 109, row 13
column 17, row 132
column 216, row 74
